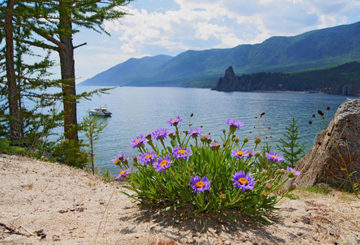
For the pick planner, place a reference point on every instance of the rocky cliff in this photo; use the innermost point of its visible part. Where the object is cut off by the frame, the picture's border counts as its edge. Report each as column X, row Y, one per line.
column 341, row 80
column 335, row 157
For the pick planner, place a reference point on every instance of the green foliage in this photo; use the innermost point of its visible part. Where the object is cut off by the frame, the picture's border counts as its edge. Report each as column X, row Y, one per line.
column 292, row 196
column 70, row 153
column 290, row 146
column 217, row 162
column 321, row 188
column 6, row 148
column 93, row 126
column 106, row 176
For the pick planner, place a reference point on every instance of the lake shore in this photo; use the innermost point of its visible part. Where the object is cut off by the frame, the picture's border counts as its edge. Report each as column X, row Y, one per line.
column 44, row 202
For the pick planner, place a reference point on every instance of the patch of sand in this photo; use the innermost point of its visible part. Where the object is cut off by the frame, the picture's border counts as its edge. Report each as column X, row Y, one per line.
column 70, row 206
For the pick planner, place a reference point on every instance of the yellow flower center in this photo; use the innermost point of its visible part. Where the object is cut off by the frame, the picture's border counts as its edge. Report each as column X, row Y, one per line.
column 182, row 152
column 240, row 153
column 137, row 140
column 148, row 156
column 274, row 157
column 243, row 181
column 200, row 184
column 123, row 172
column 163, row 163
column 174, row 120
column 116, row 161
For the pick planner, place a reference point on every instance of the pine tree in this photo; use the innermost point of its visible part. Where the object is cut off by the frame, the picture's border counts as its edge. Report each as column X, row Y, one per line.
column 290, row 145
column 56, row 22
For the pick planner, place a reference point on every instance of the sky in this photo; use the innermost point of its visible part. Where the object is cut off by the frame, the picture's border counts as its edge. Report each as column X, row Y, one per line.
column 170, row 27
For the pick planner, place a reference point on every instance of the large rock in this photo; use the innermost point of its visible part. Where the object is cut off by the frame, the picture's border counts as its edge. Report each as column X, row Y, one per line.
column 336, row 153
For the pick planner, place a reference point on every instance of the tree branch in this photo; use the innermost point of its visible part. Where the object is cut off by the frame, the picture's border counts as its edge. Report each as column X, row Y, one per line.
column 79, row 45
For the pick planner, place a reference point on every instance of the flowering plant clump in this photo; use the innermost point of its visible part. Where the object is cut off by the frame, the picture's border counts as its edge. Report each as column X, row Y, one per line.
column 195, row 171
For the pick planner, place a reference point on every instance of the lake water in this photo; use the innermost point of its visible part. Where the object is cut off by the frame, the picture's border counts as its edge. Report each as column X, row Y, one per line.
column 140, row 110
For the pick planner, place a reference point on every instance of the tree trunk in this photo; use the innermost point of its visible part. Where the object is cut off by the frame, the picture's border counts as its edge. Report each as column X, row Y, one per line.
column 68, row 72
column 10, row 75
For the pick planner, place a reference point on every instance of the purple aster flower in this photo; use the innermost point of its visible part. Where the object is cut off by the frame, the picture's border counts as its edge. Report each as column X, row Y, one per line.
column 160, row 133
column 240, row 153
column 215, row 145
column 243, row 180
column 123, row 174
column 179, row 153
column 162, row 164
column 234, row 123
column 195, row 132
column 147, row 157
column 199, row 185
column 274, row 157
column 119, row 158
column 140, row 140
column 251, row 153
column 293, row 172
column 174, row 121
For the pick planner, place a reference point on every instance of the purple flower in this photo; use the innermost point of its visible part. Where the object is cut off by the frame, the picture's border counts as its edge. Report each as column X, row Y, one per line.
column 179, row 153
column 119, row 158
column 195, row 132
column 140, row 140
column 174, row 121
column 215, row 145
column 274, row 157
column 160, row 133
column 251, row 152
column 238, row 154
column 243, row 180
column 234, row 123
column 162, row 164
column 123, row 174
column 199, row 185
column 147, row 157
column 293, row 172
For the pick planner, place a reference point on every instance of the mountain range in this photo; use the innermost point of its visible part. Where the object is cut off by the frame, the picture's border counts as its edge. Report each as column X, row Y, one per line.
column 315, row 49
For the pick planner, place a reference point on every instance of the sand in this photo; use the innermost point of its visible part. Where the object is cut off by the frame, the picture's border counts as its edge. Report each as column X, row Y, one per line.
column 49, row 203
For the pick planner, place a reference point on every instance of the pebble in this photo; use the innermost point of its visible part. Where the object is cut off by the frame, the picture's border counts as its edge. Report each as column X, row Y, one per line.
column 227, row 242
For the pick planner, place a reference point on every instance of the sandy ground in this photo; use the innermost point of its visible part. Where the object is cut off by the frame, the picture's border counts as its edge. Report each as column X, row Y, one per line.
column 49, row 203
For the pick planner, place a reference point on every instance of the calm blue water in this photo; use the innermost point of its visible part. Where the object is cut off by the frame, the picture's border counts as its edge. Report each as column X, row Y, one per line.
column 140, row 110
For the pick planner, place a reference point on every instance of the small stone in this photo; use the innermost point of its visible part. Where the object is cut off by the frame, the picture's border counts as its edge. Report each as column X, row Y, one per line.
column 227, row 242
column 55, row 238
column 102, row 203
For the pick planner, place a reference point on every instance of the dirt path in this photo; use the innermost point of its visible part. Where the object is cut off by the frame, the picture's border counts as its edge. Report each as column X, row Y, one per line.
column 69, row 206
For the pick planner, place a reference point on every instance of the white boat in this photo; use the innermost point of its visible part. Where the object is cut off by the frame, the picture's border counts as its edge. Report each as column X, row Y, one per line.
column 100, row 111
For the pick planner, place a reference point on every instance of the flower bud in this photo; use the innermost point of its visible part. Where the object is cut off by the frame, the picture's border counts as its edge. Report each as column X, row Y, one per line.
column 257, row 140
column 293, row 186
column 148, row 136
column 236, row 140
column 268, row 186
column 222, row 196
column 246, row 139
column 204, row 139
column 264, row 194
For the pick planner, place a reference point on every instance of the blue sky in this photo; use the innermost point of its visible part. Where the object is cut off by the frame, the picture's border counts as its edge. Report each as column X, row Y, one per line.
column 172, row 26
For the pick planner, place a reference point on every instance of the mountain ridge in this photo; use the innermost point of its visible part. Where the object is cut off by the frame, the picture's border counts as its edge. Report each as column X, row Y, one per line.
column 310, row 50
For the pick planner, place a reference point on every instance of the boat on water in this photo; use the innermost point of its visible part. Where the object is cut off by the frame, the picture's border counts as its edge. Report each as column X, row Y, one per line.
column 100, row 111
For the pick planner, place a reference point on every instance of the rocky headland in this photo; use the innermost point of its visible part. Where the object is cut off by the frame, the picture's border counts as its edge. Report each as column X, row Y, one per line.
column 340, row 80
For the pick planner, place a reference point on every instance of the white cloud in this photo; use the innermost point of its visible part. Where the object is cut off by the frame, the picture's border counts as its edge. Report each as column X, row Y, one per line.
column 204, row 24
